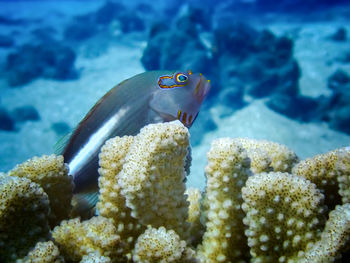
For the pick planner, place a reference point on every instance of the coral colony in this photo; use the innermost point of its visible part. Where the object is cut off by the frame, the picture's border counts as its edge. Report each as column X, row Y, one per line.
column 261, row 204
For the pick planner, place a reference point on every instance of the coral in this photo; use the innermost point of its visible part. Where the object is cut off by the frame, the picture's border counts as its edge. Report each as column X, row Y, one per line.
column 145, row 214
column 268, row 156
column 284, row 215
column 226, row 172
column 334, row 238
column 343, row 169
column 24, row 208
column 111, row 202
column 325, row 170
column 51, row 174
column 98, row 234
column 194, row 197
column 95, row 258
column 160, row 245
column 43, row 252
column 152, row 176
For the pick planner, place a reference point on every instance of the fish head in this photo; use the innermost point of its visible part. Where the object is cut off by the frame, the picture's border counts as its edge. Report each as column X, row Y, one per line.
column 179, row 95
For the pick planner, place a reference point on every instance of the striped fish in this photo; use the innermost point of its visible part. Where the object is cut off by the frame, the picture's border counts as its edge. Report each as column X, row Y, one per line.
column 150, row 97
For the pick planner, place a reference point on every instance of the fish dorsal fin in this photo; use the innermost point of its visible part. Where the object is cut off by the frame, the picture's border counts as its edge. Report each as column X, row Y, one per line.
column 62, row 142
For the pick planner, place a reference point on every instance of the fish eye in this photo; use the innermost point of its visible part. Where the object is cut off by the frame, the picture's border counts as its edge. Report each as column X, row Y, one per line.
column 181, row 78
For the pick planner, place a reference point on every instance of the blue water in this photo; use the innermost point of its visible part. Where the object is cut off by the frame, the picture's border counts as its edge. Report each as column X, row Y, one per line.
column 279, row 71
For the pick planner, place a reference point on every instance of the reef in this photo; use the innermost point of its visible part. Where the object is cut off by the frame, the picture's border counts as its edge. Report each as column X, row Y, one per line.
column 7, row 123
column 111, row 16
column 336, row 108
column 261, row 204
column 47, row 60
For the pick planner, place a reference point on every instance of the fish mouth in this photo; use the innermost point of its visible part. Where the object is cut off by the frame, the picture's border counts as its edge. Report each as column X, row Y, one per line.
column 202, row 88
column 185, row 118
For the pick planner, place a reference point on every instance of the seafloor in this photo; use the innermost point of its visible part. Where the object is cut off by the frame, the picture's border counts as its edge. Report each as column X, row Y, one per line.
column 103, row 64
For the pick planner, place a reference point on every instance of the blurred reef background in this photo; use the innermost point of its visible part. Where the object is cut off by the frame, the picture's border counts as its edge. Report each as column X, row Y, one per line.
column 280, row 70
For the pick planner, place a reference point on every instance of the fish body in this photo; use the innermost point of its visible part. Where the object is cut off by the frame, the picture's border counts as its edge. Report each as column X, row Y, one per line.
column 150, row 97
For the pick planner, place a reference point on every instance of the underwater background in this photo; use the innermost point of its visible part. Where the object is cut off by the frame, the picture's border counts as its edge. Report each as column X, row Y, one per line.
column 280, row 70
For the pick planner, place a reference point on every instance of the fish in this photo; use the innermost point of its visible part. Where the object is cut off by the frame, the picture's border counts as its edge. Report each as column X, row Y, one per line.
column 149, row 97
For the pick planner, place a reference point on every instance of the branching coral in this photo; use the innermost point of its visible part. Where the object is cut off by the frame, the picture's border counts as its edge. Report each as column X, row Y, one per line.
column 194, row 197
column 43, row 252
column 268, row 156
column 96, row 235
column 335, row 237
column 145, row 214
column 95, row 258
column 284, row 215
column 227, row 171
column 343, row 169
column 160, row 245
column 326, row 170
column 51, row 174
column 24, row 208
column 112, row 203
column 152, row 177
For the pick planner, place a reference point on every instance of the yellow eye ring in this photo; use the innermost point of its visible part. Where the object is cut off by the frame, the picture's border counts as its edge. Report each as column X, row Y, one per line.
column 181, row 78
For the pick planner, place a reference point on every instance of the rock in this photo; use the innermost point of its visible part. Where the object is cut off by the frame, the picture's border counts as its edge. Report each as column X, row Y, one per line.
column 144, row 8
column 260, row 62
column 86, row 26
column 80, row 29
column 44, row 34
column 337, row 107
column 49, row 60
column 338, row 80
column 25, row 113
column 283, row 80
column 179, row 48
column 6, row 41
column 284, row 6
column 60, row 128
column 199, row 15
column 339, row 35
column 108, row 12
column 344, row 58
column 130, row 22
column 340, row 119
column 296, row 107
column 235, row 39
column 11, row 21
column 6, row 122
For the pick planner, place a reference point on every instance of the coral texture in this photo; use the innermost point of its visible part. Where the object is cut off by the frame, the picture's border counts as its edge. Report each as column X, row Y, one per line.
column 343, row 169
column 145, row 214
column 159, row 245
column 112, row 203
column 326, row 170
column 95, row 258
column 24, row 209
column 284, row 215
column 268, row 156
column 226, row 172
column 335, row 237
column 152, row 177
column 194, row 197
column 98, row 234
column 43, row 252
column 51, row 174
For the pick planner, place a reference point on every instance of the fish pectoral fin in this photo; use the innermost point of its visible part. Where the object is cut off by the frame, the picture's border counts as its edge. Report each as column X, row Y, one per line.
column 61, row 143
column 157, row 116
column 84, row 205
